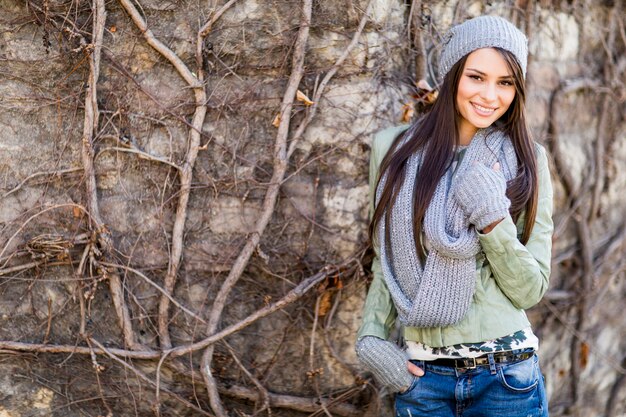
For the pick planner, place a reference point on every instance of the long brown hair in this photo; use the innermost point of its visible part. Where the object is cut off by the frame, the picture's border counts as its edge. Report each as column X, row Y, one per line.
column 437, row 135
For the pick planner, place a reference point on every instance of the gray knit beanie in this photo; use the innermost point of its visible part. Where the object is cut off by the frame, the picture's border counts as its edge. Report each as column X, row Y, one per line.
column 482, row 32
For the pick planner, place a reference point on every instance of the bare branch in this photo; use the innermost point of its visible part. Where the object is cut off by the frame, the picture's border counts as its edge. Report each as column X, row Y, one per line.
column 144, row 378
column 595, row 349
column 280, row 167
column 17, row 268
column 205, row 30
column 90, row 126
column 167, row 53
column 186, row 176
column 44, row 348
column 38, row 174
column 289, row 298
column 330, row 74
column 563, row 89
column 161, row 290
column 142, row 155
column 307, row 405
column 186, row 171
column 263, row 393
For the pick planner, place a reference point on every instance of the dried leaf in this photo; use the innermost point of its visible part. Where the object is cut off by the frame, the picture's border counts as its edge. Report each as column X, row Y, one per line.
column 325, row 304
column 77, row 212
column 113, row 29
column 276, row 121
column 300, row 96
column 584, row 355
column 407, row 112
column 432, row 96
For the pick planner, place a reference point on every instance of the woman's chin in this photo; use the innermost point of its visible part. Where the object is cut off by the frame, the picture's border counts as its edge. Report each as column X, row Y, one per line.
column 484, row 123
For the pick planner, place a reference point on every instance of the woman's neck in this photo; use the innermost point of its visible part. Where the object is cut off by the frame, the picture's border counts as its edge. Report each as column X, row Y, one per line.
column 466, row 133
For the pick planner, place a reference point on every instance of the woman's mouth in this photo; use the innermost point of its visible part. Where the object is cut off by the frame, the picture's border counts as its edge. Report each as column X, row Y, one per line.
column 483, row 111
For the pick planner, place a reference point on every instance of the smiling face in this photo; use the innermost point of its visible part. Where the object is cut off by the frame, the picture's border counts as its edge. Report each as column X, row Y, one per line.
column 485, row 91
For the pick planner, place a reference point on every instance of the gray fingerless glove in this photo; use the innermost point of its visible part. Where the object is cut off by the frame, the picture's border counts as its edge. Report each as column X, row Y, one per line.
column 481, row 193
column 386, row 361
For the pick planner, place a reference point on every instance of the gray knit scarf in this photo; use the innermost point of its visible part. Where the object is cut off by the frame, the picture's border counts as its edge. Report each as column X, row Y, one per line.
column 440, row 292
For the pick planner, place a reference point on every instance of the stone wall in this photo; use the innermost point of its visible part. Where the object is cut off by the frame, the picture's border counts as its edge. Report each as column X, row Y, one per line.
column 55, row 290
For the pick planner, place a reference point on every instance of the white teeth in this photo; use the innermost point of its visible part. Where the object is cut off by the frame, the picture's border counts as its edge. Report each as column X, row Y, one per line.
column 483, row 109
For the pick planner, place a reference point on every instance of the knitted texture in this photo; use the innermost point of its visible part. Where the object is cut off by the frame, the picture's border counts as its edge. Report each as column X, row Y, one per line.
column 482, row 32
column 438, row 293
column 386, row 361
column 481, row 192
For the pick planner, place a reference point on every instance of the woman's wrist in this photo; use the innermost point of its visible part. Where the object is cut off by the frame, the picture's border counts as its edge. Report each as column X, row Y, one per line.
column 490, row 227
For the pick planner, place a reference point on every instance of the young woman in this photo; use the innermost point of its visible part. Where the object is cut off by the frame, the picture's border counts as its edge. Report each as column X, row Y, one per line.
column 461, row 221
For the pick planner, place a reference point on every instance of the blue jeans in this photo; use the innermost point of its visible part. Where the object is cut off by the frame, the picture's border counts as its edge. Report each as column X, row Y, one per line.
column 499, row 390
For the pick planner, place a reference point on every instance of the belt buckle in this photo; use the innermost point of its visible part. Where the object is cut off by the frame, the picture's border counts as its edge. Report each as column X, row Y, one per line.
column 473, row 366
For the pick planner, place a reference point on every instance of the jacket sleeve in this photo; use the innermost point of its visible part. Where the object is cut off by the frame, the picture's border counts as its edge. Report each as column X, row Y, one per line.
column 379, row 312
column 522, row 272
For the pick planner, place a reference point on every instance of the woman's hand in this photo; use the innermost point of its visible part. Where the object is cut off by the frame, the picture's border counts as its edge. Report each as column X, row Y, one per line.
column 481, row 193
column 489, row 228
column 414, row 369
column 386, row 361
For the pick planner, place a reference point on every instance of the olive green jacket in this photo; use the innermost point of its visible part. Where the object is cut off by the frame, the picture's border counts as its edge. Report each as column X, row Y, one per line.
column 510, row 276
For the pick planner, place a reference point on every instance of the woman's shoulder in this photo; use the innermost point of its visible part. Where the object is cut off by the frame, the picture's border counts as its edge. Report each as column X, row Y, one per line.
column 384, row 138
column 540, row 150
column 542, row 156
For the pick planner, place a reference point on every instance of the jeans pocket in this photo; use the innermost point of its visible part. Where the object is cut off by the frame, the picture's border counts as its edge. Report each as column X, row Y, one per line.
column 411, row 387
column 521, row 376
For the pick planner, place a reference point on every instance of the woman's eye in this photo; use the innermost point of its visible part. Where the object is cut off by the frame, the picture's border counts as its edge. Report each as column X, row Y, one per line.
column 507, row 83
column 475, row 77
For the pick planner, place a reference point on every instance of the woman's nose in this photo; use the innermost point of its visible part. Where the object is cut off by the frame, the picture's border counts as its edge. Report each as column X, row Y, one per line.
column 488, row 92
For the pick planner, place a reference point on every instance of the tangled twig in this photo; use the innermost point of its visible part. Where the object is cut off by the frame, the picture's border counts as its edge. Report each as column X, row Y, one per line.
column 280, row 167
column 185, row 171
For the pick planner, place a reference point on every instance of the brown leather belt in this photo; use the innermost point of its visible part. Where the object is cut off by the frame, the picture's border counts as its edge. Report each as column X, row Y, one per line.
column 471, row 363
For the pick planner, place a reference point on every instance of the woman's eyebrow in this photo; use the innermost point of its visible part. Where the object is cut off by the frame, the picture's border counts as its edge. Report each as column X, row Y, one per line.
column 483, row 74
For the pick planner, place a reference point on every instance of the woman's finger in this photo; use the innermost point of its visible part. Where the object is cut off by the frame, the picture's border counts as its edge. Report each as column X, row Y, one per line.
column 496, row 166
column 414, row 369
